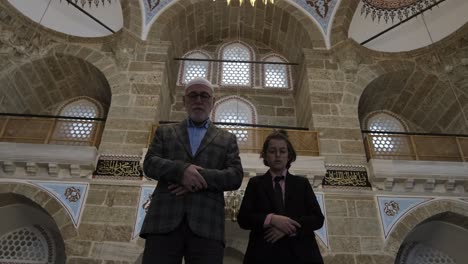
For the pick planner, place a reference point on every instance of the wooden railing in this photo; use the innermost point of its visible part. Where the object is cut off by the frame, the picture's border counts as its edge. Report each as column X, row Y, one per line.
column 250, row 138
column 50, row 130
column 406, row 146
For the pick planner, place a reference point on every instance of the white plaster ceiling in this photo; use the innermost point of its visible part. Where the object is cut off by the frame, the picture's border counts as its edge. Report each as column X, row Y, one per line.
column 62, row 17
column 441, row 21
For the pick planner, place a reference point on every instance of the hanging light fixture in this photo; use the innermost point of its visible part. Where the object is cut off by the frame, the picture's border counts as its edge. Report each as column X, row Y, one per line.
column 83, row 2
column 252, row 2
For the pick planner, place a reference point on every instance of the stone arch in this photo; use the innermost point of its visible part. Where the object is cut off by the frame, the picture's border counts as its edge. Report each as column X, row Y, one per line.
column 102, row 61
column 426, row 212
column 41, row 84
column 300, row 31
column 132, row 17
column 342, row 21
column 29, row 195
column 424, row 100
column 45, row 201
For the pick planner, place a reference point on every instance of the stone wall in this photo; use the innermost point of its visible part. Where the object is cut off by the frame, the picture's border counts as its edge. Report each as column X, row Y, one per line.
column 271, row 109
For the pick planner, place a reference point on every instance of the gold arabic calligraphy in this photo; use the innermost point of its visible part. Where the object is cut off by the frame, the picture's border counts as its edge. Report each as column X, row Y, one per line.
column 346, row 178
column 118, row 168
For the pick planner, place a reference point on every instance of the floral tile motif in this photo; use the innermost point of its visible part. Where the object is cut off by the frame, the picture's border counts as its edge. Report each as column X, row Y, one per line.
column 393, row 208
column 153, row 7
column 322, row 11
column 322, row 233
column 71, row 195
column 143, row 204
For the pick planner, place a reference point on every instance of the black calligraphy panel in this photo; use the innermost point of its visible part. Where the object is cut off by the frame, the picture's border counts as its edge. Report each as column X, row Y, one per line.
column 125, row 168
column 347, row 179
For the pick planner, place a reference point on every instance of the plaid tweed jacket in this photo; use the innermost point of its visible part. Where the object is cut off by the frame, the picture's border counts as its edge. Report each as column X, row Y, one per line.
column 167, row 157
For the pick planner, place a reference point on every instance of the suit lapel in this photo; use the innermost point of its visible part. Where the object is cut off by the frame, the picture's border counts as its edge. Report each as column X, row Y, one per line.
column 210, row 134
column 182, row 135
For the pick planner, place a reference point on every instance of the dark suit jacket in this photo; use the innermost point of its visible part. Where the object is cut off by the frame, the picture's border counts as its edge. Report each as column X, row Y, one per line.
column 168, row 156
column 300, row 205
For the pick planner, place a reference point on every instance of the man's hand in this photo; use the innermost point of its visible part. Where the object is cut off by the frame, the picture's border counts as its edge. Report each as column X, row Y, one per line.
column 284, row 224
column 273, row 234
column 178, row 189
column 192, row 179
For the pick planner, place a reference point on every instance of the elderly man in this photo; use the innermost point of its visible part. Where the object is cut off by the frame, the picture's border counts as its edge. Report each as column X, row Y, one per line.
column 194, row 162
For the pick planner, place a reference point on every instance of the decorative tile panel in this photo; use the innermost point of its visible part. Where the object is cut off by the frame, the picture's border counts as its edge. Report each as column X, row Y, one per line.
column 153, row 7
column 393, row 208
column 322, row 233
column 322, row 12
column 72, row 196
column 143, row 204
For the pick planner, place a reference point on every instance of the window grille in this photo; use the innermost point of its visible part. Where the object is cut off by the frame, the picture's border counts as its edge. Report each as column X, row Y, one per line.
column 235, row 111
column 77, row 131
column 26, row 245
column 236, row 73
column 192, row 69
column 275, row 75
column 385, row 143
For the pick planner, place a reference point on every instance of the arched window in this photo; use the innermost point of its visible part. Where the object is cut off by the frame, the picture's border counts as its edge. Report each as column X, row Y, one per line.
column 191, row 69
column 234, row 109
column 387, row 144
column 29, row 244
column 77, row 131
column 232, row 73
column 276, row 75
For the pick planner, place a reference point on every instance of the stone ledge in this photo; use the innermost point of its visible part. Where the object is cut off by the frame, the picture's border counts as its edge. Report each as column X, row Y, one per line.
column 42, row 161
column 417, row 175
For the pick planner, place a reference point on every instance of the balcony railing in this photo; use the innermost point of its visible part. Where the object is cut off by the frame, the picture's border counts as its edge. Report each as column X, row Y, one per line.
column 42, row 129
column 250, row 138
column 412, row 146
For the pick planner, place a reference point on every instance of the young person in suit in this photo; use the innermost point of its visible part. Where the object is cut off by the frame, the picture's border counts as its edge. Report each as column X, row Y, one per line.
column 280, row 210
column 194, row 162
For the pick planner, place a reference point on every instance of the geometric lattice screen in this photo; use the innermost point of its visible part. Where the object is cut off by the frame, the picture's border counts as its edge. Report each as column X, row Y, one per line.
column 385, row 143
column 235, row 111
column 26, row 245
column 76, row 131
column 236, row 73
column 275, row 75
column 424, row 254
column 194, row 69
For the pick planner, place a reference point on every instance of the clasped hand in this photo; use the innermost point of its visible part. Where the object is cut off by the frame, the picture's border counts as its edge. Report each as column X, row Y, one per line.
column 192, row 181
column 280, row 227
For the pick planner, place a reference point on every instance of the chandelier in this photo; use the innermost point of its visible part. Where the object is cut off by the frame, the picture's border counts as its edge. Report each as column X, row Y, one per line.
column 83, row 2
column 252, row 2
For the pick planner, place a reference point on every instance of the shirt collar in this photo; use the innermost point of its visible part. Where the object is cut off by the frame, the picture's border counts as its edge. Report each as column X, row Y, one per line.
column 205, row 124
column 284, row 173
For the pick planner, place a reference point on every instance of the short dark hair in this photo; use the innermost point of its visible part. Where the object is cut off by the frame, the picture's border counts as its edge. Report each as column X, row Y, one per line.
column 281, row 135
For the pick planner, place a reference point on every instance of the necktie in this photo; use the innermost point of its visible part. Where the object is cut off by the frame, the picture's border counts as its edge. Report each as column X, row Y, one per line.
column 279, row 194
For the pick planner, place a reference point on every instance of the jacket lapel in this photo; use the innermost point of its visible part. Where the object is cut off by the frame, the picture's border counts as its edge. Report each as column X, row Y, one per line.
column 182, row 135
column 210, row 134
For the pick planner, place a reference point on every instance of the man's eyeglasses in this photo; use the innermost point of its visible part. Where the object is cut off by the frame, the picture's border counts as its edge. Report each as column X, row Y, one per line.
column 203, row 96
